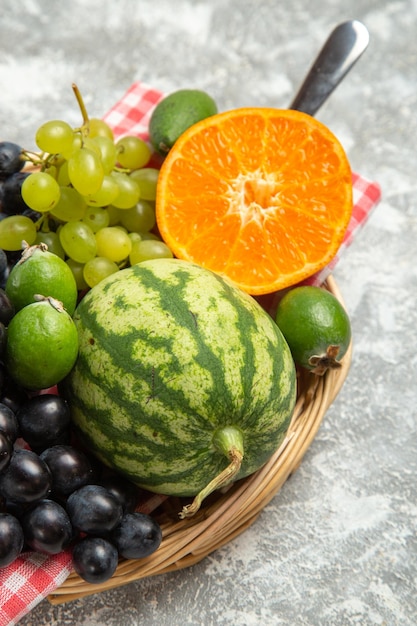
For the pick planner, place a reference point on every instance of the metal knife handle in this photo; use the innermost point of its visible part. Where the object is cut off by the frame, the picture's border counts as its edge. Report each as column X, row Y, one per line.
column 344, row 46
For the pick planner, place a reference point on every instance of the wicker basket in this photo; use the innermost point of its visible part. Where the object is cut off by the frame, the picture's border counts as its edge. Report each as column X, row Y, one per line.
column 228, row 513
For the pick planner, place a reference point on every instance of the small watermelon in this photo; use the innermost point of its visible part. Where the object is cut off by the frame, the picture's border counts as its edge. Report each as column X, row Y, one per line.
column 183, row 383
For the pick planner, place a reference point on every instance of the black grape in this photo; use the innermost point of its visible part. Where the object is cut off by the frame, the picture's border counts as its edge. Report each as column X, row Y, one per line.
column 44, row 420
column 47, row 527
column 11, row 539
column 7, row 310
column 137, row 536
column 94, row 559
column 12, row 202
column 71, row 469
column 11, row 160
column 26, row 479
column 94, row 510
column 6, row 450
column 8, row 422
column 126, row 492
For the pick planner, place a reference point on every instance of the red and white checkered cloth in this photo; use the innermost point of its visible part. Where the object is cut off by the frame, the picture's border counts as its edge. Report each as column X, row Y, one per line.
column 32, row 577
column 366, row 195
column 28, row 581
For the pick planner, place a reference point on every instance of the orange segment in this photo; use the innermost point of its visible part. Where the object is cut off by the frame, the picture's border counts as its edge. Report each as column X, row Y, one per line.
column 262, row 196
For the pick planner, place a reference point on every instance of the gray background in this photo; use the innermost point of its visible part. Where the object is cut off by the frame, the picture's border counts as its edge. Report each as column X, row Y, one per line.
column 337, row 545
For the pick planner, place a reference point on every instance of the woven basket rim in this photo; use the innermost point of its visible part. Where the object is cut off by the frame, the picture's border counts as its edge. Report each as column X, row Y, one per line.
column 231, row 512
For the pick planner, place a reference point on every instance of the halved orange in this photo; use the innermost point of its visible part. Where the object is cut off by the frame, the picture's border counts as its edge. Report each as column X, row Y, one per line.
column 260, row 195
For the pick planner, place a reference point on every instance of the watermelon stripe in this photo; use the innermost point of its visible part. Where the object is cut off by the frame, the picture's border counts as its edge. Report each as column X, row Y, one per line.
column 185, row 354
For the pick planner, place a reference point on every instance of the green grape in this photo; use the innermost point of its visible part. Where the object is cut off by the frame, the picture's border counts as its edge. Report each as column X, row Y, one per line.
column 132, row 152
column 16, row 229
column 114, row 215
column 92, row 145
column 107, row 151
column 78, row 271
column 56, row 159
column 148, row 235
column 99, row 128
column 147, row 179
column 129, row 192
column 62, row 176
column 134, row 237
column 149, row 249
column 85, row 171
column 54, row 136
column 78, row 241
column 107, row 193
column 98, row 268
column 96, row 218
column 52, row 170
column 51, row 239
column 71, row 205
column 139, row 218
column 40, row 191
column 77, row 143
column 113, row 243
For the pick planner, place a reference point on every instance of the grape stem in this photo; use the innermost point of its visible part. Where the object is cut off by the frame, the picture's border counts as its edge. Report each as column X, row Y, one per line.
column 32, row 157
column 38, row 160
column 81, row 104
column 42, row 224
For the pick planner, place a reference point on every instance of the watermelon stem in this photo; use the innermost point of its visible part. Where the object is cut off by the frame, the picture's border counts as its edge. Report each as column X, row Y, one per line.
column 229, row 441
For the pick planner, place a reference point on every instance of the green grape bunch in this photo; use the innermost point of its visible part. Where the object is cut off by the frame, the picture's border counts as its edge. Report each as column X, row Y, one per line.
column 90, row 198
